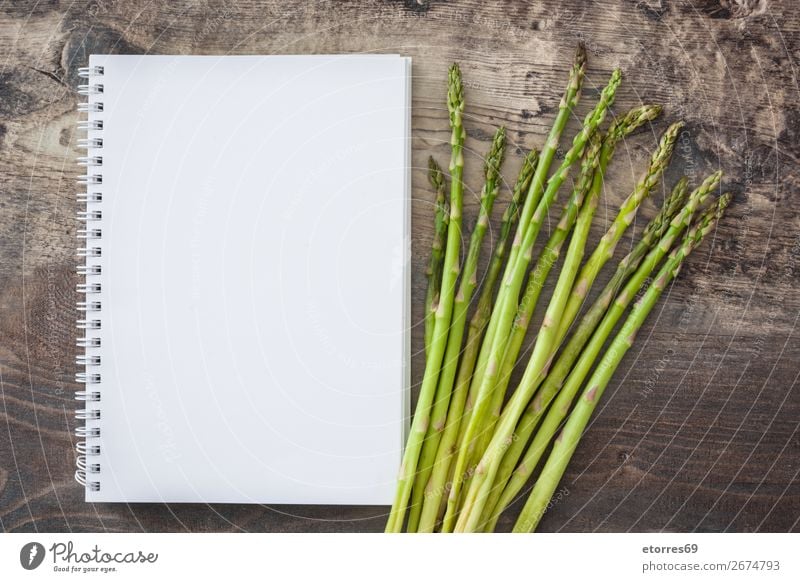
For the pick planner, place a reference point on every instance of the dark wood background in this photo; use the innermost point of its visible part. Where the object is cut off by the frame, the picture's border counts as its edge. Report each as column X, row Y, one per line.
column 699, row 430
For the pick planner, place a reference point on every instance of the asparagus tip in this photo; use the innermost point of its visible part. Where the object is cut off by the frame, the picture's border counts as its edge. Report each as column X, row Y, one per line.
column 455, row 89
column 580, row 55
column 673, row 130
column 632, row 120
column 712, row 181
column 707, row 221
column 495, row 156
column 647, row 113
column 435, row 175
column 677, row 197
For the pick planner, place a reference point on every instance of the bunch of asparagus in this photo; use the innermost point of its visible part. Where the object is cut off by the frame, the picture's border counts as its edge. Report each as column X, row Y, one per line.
column 475, row 440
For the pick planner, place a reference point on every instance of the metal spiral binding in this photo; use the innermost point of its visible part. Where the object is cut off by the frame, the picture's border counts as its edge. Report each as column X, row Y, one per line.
column 90, row 214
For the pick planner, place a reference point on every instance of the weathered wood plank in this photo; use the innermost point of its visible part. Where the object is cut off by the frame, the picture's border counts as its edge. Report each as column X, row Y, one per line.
column 700, row 427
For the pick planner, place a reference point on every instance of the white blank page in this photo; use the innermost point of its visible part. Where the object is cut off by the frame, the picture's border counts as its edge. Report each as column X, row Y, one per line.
column 255, row 280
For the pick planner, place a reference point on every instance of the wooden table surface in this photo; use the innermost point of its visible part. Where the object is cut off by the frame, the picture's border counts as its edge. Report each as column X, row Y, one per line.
column 699, row 428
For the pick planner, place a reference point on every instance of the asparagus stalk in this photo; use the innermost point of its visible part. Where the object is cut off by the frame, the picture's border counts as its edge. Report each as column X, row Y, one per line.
column 550, row 336
column 597, row 156
column 444, row 311
column 606, row 246
column 556, row 322
column 590, row 352
column 525, row 177
column 567, row 441
column 536, row 279
column 527, row 424
column 565, row 107
column 434, row 272
column 469, row 281
column 475, row 498
column 437, row 481
column 567, row 104
column 512, row 282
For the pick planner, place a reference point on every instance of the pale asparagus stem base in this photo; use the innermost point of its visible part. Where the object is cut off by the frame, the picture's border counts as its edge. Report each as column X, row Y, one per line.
column 419, row 425
column 469, row 281
column 527, row 424
column 437, row 482
column 576, row 374
column 567, row 441
column 506, row 305
column 434, row 272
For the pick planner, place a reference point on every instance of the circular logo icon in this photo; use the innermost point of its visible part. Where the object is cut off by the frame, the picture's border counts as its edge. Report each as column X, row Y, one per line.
column 31, row 555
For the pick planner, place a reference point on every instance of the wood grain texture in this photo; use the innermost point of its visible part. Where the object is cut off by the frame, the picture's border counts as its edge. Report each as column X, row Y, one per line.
column 699, row 429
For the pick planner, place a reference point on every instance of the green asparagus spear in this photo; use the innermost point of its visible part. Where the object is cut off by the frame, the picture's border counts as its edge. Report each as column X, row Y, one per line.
column 549, row 337
column 567, row 104
column 469, row 281
column 511, row 285
column 437, row 482
column 606, row 246
column 475, row 499
column 589, row 353
column 444, row 311
column 596, row 157
column 527, row 424
column 536, row 279
column 565, row 108
column 567, row 441
column 434, row 272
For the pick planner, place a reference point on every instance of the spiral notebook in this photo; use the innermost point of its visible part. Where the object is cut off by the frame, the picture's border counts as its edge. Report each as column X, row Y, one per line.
column 246, row 278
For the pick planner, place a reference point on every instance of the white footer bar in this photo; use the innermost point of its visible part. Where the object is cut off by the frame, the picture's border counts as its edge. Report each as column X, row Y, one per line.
column 379, row 558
